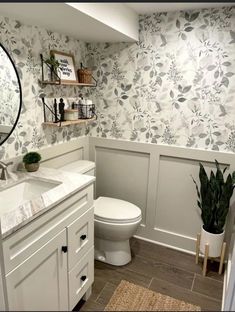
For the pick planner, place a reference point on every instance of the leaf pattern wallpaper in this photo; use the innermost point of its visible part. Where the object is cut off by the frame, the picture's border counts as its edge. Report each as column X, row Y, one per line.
column 9, row 100
column 176, row 86
column 24, row 44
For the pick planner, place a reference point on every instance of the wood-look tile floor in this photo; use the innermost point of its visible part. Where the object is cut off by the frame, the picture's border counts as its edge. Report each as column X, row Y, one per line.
column 161, row 269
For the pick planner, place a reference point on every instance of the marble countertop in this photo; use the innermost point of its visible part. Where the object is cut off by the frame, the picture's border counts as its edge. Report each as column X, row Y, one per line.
column 68, row 184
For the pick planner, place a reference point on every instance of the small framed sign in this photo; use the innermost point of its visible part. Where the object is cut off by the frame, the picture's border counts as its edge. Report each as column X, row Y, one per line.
column 66, row 68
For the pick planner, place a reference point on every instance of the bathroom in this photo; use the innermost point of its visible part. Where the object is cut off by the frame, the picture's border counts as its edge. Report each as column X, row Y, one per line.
column 111, row 218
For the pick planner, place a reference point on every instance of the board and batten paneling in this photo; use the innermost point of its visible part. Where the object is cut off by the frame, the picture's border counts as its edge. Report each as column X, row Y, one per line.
column 157, row 178
column 62, row 154
column 110, row 165
column 58, row 155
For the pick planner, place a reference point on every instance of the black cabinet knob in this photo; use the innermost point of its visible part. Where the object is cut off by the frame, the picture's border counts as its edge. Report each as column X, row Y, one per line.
column 83, row 278
column 83, row 237
column 64, row 249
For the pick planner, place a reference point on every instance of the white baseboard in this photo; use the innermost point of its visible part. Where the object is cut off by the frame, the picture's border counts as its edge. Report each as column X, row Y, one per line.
column 165, row 245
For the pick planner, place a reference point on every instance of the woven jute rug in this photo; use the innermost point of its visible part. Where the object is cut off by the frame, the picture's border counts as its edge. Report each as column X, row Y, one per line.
column 131, row 297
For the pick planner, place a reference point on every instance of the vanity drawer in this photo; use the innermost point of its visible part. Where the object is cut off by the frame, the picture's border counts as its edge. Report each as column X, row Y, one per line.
column 80, row 235
column 27, row 240
column 81, row 278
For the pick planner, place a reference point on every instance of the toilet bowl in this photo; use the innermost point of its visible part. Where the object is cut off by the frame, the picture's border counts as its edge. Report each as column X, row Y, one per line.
column 116, row 221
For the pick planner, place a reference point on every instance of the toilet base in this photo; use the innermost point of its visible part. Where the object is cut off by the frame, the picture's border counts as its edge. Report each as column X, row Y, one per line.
column 112, row 252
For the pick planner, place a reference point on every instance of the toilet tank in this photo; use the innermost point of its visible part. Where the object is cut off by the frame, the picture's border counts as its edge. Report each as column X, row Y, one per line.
column 81, row 166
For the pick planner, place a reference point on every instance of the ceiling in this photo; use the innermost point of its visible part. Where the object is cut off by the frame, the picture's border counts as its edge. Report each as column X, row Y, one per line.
column 94, row 21
column 146, row 7
column 65, row 19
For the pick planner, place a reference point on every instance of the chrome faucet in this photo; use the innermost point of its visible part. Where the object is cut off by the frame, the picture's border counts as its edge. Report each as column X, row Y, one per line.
column 5, row 174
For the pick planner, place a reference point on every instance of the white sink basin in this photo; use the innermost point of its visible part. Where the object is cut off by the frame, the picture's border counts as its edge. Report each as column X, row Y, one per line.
column 22, row 192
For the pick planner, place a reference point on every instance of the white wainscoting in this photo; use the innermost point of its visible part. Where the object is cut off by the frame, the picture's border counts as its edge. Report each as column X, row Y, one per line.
column 58, row 155
column 110, row 168
column 65, row 153
column 157, row 178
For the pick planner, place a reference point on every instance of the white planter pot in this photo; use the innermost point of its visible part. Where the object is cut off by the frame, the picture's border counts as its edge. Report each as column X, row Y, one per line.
column 215, row 242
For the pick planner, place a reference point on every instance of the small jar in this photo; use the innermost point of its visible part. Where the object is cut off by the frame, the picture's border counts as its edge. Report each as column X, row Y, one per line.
column 71, row 114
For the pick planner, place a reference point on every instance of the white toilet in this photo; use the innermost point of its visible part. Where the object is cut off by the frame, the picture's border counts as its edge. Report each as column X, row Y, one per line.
column 115, row 222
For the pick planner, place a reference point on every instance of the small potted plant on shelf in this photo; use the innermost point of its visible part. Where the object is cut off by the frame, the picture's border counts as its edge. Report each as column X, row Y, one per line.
column 213, row 200
column 54, row 65
column 31, row 161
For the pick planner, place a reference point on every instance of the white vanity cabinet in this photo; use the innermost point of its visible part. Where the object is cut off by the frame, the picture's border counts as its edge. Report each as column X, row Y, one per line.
column 40, row 282
column 49, row 262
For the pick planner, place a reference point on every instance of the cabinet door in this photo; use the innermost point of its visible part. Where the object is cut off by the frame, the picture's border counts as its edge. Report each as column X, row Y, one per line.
column 40, row 282
column 80, row 237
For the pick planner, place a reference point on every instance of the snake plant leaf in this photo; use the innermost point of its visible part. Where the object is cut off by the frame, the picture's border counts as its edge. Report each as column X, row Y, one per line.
column 226, row 194
column 219, row 174
column 206, row 208
column 212, row 178
column 214, row 183
column 228, row 187
column 197, row 188
column 204, row 181
column 233, row 177
column 217, row 164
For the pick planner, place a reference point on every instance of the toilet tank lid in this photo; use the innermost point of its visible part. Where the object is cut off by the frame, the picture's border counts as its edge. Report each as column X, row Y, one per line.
column 79, row 166
column 115, row 209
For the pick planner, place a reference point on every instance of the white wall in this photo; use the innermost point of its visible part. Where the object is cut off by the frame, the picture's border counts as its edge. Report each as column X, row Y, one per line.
column 115, row 15
column 157, row 178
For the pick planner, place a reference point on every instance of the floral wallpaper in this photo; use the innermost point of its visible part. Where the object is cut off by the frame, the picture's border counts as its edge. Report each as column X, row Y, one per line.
column 175, row 86
column 25, row 43
column 9, row 99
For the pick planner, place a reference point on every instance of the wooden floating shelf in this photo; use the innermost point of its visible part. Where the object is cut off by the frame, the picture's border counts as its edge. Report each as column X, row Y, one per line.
column 68, row 122
column 47, row 82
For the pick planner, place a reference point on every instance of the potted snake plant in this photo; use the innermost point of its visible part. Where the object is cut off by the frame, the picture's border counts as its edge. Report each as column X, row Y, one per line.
column 214, row 196
column 31, row 161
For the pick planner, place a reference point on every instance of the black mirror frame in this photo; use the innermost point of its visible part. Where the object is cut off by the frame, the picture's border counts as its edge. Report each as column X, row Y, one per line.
column 20, row 93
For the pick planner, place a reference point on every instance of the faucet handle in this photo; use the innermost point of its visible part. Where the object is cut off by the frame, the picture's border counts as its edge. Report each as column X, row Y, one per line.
column 9, row 163
column 5, row 165
column 5, row 174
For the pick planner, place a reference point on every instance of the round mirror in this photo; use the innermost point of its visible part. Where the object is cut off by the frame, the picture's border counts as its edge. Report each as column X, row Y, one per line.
column 10, row 95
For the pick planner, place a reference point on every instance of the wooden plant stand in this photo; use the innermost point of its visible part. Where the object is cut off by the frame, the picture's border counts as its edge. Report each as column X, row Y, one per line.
column 206, row 256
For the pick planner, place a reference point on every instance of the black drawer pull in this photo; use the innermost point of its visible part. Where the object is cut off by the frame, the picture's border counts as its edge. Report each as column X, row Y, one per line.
column 83, row 278
column 83, row 237
column 64, row 249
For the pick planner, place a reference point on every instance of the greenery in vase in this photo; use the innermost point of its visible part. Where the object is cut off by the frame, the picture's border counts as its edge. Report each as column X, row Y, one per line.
column 31, row 158
column 214, row 197
column 54, row 65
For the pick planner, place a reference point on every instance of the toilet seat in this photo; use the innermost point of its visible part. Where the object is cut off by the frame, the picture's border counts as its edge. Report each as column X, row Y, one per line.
column 112, row 210
column 136, row 220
